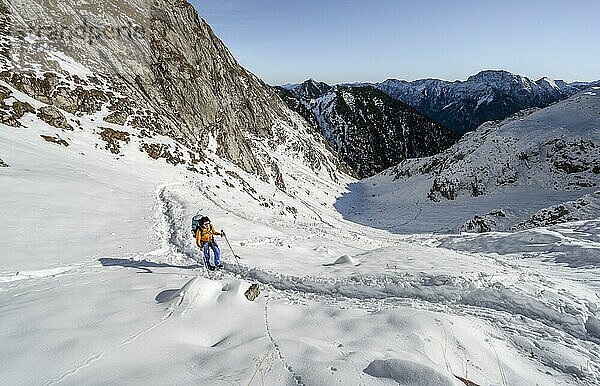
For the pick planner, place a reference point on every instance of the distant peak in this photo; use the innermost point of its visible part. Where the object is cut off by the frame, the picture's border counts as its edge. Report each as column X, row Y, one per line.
column 311, row 88
column 314, row 82
column 491, row 74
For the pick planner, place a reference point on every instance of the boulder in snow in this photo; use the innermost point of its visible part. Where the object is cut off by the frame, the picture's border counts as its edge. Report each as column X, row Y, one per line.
column 486, row 223
column 252, row 292
column 52, row 116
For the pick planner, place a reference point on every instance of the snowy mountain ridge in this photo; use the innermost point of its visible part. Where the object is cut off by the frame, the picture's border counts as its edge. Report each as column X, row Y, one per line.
column 368, row 129
column 534, row 159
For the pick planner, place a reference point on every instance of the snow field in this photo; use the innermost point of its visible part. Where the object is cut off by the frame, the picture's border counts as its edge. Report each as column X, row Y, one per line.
column 490, row 288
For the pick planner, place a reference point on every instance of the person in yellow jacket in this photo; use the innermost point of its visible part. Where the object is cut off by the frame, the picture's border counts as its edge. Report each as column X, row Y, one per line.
column 205, row 239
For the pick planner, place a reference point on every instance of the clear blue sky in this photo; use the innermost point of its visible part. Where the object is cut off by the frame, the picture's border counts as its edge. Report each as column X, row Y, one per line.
column 337, row 41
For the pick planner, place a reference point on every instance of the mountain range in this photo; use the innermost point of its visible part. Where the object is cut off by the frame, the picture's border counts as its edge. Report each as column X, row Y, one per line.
column 489, row 95
column 535, row 168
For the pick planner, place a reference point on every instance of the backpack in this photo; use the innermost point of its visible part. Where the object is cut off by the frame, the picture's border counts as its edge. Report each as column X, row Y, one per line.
column 197, row 220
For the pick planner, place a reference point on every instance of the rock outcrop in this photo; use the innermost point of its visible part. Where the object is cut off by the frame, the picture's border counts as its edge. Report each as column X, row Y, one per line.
column 52, row 116
column 586, row 207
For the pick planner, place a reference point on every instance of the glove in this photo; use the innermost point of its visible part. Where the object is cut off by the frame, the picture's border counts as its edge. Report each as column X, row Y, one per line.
column 222, row 233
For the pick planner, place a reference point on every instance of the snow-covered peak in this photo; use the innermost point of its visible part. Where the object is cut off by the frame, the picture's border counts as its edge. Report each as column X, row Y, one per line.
column 498, row 77
column 550, row 83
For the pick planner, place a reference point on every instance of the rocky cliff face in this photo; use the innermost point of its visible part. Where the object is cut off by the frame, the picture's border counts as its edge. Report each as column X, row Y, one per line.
column 154, row 65
column 486, row 96
column 370, row 130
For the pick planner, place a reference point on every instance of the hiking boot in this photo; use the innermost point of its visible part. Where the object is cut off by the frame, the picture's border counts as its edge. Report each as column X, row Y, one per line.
column 220, row 266
column 211, row 268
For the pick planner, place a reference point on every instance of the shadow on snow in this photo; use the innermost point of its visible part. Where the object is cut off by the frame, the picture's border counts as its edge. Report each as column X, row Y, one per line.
column 143, row 265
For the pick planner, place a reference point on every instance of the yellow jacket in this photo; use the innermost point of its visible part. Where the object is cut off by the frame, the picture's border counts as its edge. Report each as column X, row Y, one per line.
column 204, row 235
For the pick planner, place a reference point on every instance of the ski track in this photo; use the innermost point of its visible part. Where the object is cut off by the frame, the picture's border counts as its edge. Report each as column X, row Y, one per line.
column 87, row 362
column 297, row 379
column 147, row 330
column 485, row 300
column 368, row 292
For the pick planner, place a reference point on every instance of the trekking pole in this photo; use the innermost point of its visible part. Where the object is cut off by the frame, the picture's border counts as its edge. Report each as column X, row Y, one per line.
column 234, row 255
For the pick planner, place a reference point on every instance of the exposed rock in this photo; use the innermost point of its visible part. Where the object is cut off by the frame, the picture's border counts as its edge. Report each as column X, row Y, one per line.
column 10, row 114
column 147, row 121
column 491, row 221
column 56, row 140
column 573, row 156
column 79, row 100
column 3, row 164
column 113, row 138
column 4, row 93
column 161, row 150
column 64, row 99
column 163, row 57
column 5, row 22
column 121, row 109
column 52, row 116
column 245, row 185
column 586, row 207
column 466, row 381
column 252, row 292
column 20, row 108
column 8, row 119
column 38, row 88
column 442, row 188
column 278, row 177
column 116, row 117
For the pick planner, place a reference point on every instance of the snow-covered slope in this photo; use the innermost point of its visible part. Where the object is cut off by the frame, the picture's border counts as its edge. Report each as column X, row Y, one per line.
column 487, row 96
column 101, row 283
column 369, row 130
column 503, row 173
